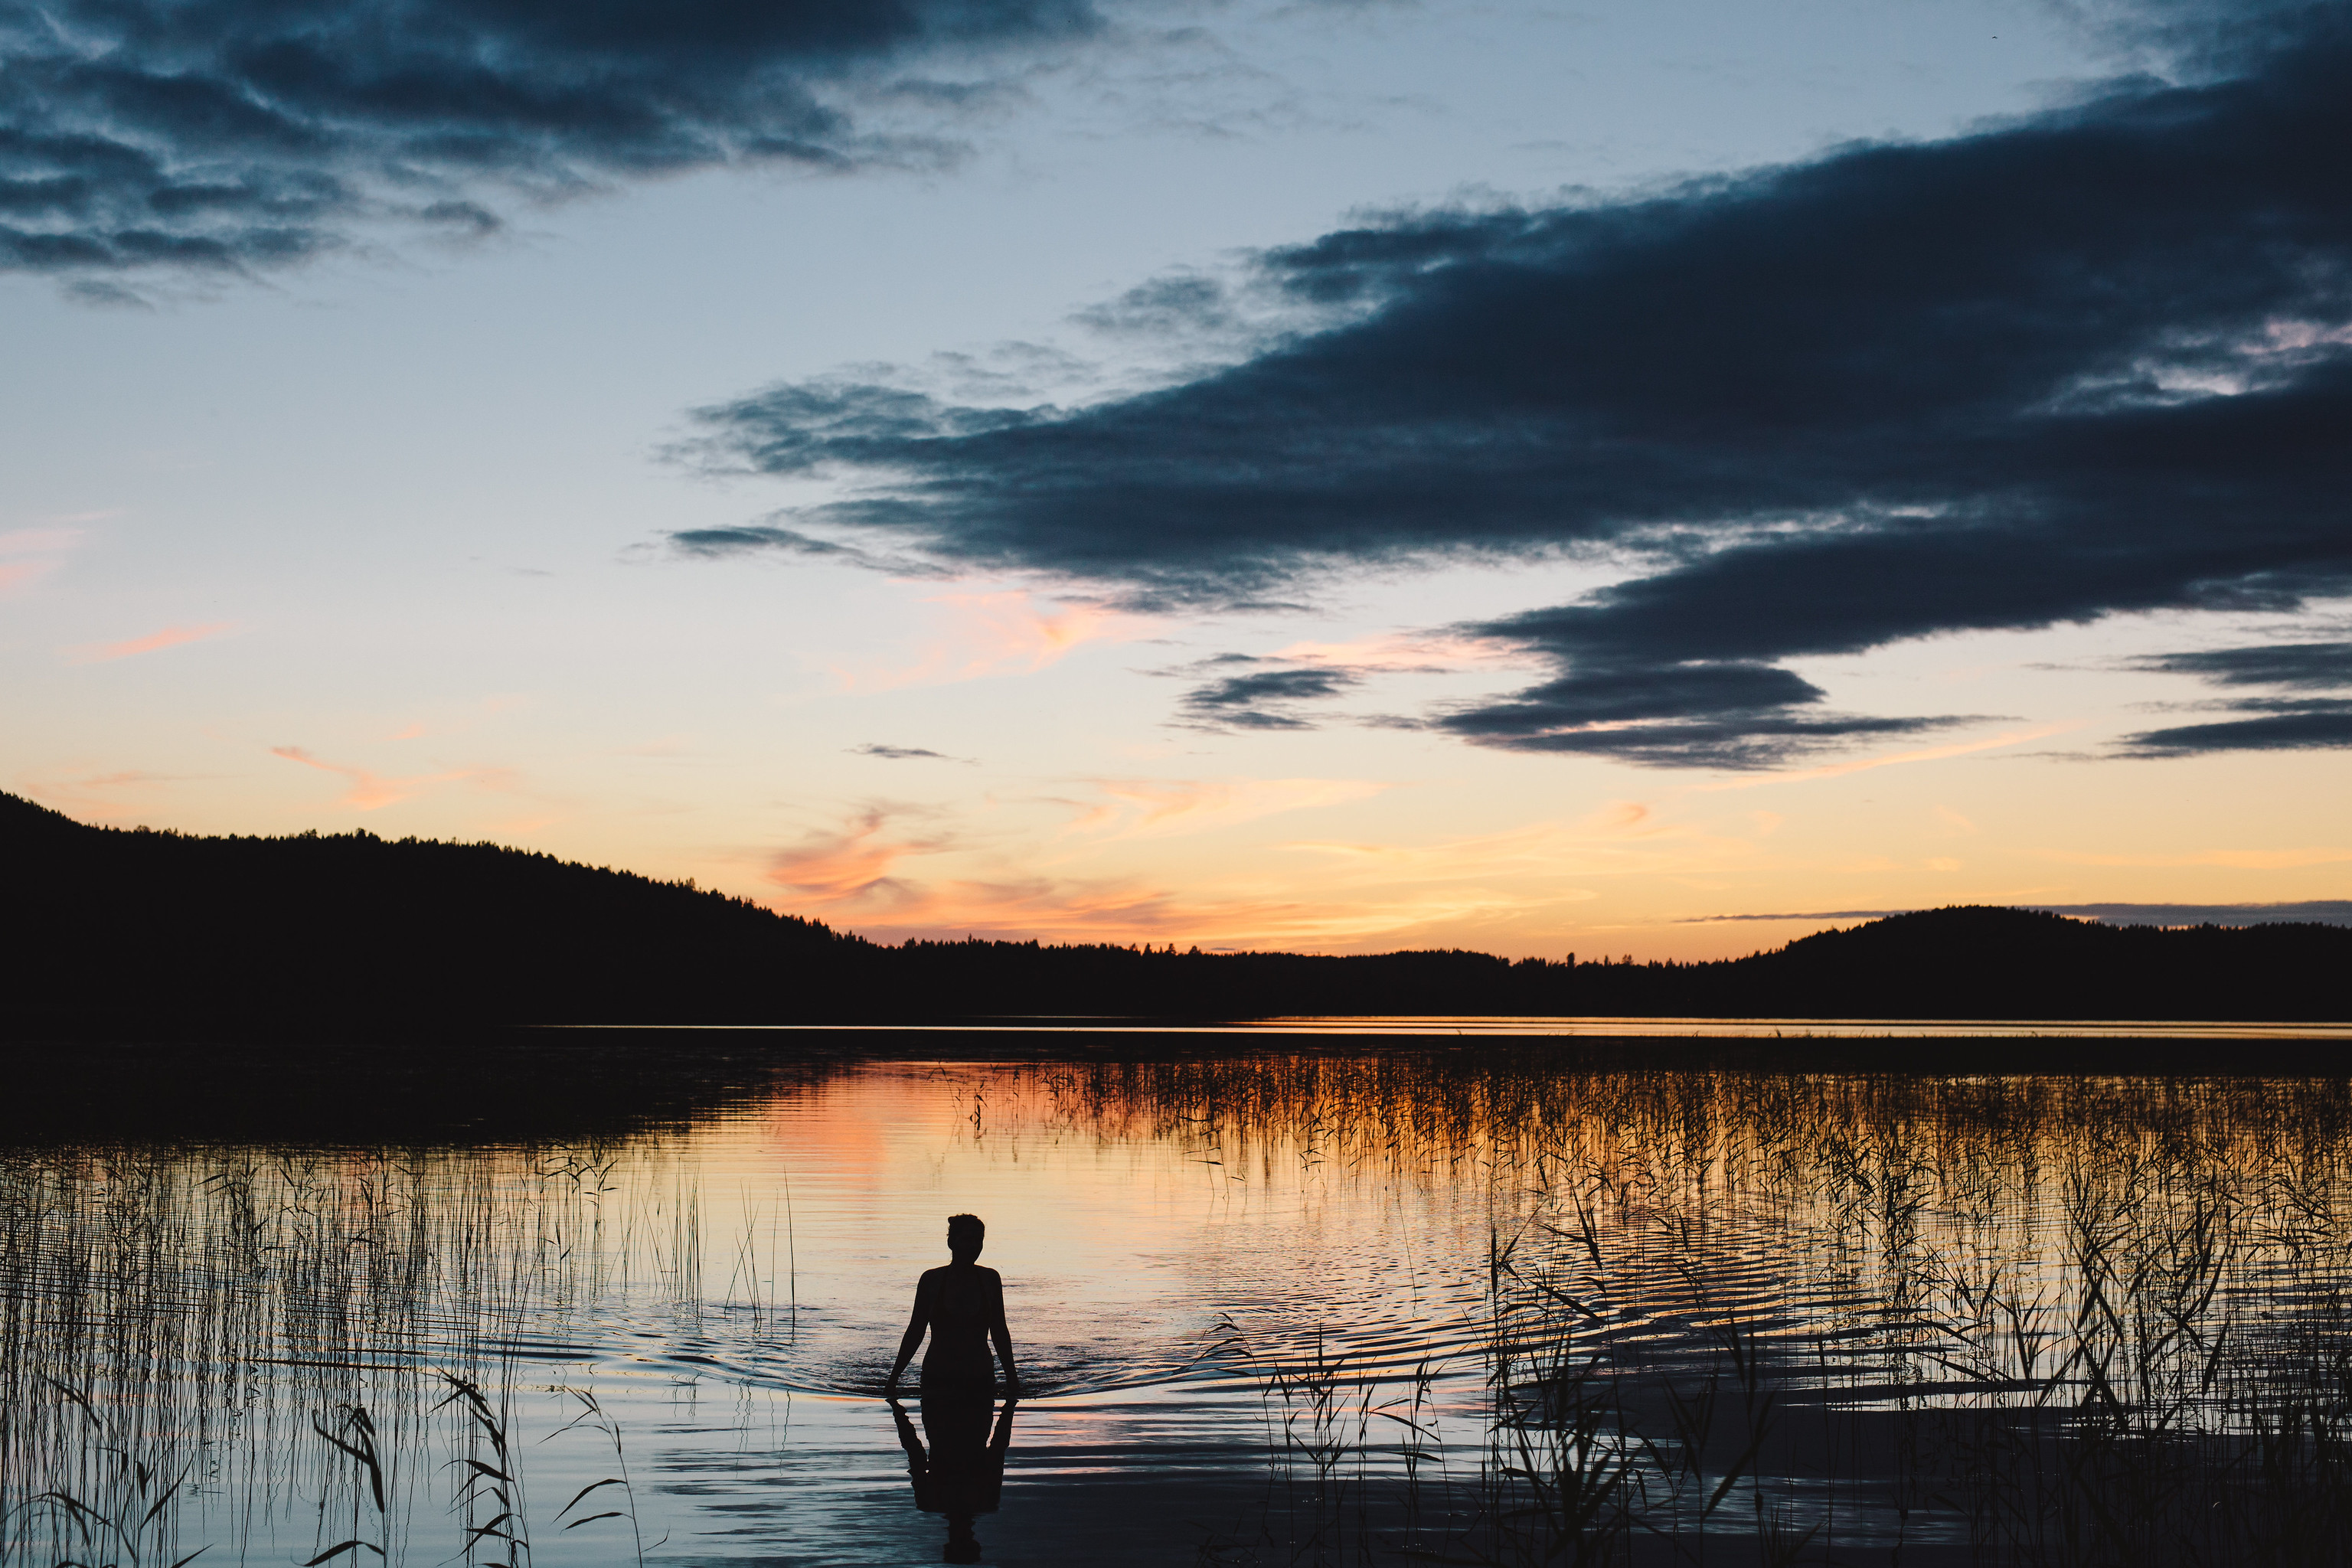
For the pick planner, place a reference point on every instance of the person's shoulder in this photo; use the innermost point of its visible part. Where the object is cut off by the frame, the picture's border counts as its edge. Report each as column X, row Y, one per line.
column 932, row 1276
column 993, row 1276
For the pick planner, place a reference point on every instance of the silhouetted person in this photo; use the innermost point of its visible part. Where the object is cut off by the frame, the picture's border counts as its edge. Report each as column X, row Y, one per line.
column 962, row 1305
column 963, row 1475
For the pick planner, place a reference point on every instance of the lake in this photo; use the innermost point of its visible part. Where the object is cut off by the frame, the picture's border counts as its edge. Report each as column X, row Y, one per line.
column 1277, row 1299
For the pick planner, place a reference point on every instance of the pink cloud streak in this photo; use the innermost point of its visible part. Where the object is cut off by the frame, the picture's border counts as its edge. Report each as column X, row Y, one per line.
column 170, row 637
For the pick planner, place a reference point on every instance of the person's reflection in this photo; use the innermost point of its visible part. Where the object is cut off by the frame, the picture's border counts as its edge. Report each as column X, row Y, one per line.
column 961, row 1306
column 962, row 1474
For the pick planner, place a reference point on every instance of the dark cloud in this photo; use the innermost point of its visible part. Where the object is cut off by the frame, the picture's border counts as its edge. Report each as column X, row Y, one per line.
column 2314, row 665
column 903, row 753
column 1262, row 699
column 2088, row 362
column 234, row 134
column 2266, row 724
column 718, row 543
column 1722, row 714
column 2258, row 723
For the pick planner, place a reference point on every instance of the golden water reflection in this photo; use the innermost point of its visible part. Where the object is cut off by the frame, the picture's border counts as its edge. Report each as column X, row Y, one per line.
column 1466, row 1283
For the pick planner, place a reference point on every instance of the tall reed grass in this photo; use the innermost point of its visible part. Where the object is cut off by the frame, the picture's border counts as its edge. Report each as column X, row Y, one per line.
column 1714, row 1316
column 241, row 1345
column 1747, row 1317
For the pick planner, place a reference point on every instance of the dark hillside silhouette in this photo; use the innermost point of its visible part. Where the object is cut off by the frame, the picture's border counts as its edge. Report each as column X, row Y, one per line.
column 351, row 933
column 345, row 929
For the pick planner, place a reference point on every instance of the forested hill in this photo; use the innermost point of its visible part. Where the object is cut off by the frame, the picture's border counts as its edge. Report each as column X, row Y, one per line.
column 349, row 932
column 350, row 927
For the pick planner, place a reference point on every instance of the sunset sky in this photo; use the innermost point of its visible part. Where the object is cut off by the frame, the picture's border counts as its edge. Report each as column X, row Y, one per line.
column 1338, row 475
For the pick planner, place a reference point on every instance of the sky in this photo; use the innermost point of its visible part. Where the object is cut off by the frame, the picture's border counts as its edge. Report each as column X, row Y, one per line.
column 1335, row 475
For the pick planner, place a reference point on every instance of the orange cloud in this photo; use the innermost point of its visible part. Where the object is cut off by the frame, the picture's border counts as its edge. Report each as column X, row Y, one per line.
column 851, row 864
column 997, row 633
column 94, row 797
column 857, row 875
column 1152, row 808
column 370, row 791
column 1116, row 910
column 170, row 637
column 30, row 554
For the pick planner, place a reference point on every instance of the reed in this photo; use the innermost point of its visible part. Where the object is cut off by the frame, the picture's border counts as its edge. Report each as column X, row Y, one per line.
column 1759, row 1318
column 1712, row 1317
column 236, row 1345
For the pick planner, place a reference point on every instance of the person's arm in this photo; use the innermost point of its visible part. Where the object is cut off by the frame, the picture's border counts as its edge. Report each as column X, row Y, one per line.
column 913, row 1339
column 1004, row 1338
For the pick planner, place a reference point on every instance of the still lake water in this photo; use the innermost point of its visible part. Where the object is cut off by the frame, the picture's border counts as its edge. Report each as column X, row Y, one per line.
column 1286, row 1305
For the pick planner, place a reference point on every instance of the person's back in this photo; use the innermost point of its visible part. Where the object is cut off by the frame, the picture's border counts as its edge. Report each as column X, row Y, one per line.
column 966, row 1302
column 962, row 1306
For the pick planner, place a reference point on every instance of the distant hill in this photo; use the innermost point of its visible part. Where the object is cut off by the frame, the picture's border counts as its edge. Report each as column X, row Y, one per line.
column 346, row 931
column 352, row 934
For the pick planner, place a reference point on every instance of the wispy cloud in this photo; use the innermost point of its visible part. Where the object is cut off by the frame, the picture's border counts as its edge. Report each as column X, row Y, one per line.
column 372, row 790
column 112, row 796
column 906, row 753
column 1405, row 652
column 1008, row 633
column 853, row 864
column 1155, row 809
column 1894, row 758
column 30, row 554
column 170, row 637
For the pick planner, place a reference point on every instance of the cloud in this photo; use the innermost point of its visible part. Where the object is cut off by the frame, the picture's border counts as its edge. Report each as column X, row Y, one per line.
column 2260, row 723
column 852, row 864
column 99, row 796
column 368, row 792
column 903, row 753
column 2307, row 664
column 2278, row 724
column 1893, row 759
column 1729, row 713
column 2088, row 362
column 372, row 792
column 1262, row 699
column 30, row 554
column 1008, row 633
column 230, row 136
column 1158, row 808
column 170, row 637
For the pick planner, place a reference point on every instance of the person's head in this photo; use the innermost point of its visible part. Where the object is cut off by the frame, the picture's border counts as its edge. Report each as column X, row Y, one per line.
column 965, row 1235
